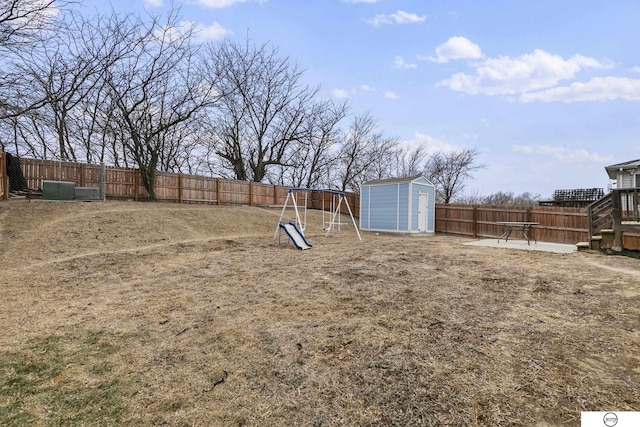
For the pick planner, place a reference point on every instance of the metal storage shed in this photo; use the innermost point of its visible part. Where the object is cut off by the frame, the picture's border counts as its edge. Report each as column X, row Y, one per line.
column 399, row 205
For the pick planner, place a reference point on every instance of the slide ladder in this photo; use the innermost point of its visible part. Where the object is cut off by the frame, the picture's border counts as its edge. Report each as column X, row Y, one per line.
column 295, row 235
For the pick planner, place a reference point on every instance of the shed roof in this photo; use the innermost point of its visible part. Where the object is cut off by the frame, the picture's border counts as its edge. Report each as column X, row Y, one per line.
column 612, row 170
column 397, row 180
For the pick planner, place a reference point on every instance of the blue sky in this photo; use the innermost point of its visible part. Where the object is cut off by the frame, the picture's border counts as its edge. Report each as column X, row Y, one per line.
column 547, row 90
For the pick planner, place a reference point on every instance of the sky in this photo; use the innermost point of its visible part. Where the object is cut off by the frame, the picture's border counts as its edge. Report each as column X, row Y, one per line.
column 548, row 91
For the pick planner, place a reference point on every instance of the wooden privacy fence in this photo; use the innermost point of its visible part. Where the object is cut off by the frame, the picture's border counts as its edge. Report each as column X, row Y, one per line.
column 125, row 183
column 556, row 224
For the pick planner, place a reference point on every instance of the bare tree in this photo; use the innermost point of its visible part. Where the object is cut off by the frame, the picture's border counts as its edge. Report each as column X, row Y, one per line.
column 449, row 171
column 508, row 198
column 365, row 153
column 68, row 73
column 409, row 162
column 263, row 112
column 23, row 20
column 22, row 23
column 26, row 134
column 154, row 92
column 313, row 157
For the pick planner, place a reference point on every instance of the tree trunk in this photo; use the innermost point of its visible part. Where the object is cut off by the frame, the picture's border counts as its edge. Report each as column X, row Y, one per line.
column 148, row 176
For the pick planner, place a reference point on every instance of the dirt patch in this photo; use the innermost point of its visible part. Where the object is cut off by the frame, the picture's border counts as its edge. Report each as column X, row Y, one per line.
column 624, row 252
column 194, row 315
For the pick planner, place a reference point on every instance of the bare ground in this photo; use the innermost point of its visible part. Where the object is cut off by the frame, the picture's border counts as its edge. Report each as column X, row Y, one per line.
column 161, row 314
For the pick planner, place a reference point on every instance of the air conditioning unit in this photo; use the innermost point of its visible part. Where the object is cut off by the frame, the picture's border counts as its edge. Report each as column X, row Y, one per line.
column 58, row 190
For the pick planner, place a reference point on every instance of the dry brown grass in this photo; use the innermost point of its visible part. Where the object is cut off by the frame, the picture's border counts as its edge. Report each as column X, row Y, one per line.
column 160, row 314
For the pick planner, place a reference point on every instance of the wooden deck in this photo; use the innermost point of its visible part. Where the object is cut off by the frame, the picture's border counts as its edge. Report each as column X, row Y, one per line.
column 613, row 215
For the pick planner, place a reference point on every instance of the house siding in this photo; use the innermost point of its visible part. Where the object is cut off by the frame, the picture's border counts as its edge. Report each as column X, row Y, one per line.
column 627, row 175
column 627, row 179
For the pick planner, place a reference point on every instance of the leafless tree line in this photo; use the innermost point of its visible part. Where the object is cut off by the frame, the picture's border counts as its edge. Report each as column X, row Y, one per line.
column 140, row 92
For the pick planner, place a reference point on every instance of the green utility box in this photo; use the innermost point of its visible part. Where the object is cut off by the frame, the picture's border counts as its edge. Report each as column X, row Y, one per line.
column 58, row 190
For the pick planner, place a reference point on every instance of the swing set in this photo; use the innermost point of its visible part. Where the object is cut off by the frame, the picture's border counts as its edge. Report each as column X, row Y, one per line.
column 337, row 202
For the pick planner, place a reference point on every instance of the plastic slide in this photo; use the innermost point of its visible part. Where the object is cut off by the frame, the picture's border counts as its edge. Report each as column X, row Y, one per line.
column 296, row 235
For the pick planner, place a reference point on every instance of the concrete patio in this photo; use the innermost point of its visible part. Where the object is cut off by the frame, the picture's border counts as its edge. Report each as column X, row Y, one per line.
column 522, row 245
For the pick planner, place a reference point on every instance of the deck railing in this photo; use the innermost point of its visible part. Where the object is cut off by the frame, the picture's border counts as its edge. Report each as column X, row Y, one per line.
column 628, row 203
column 599, row 215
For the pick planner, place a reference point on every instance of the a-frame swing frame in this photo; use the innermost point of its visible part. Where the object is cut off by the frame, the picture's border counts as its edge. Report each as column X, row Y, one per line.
column 334, row 213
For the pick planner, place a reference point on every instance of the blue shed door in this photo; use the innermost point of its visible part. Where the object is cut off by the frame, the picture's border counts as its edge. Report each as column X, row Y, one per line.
column 423, row 206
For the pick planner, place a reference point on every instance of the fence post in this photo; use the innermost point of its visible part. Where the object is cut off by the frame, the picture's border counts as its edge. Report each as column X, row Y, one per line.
column 102, row 182
column 83, row 171
column 275, row 195
column 218, row 191
column 180, row 188
column 135, row 184
column 617, row 221
column 475, row 221
column 250, row 193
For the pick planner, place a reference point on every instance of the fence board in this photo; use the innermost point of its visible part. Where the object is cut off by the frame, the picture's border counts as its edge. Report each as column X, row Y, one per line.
column 262, row 194
column 556, row 224
column 198, row 189
column 121, row 183
column 234, row 192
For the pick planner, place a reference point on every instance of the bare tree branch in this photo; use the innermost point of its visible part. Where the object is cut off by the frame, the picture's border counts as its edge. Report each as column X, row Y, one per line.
column 365, row 154
column 449, row 171
column 263, row 110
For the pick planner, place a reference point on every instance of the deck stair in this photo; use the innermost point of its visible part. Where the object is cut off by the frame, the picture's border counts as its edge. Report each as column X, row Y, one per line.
column 609, row 217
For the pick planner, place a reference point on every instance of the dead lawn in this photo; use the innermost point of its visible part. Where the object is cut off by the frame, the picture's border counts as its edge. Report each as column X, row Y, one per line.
column 161, row 314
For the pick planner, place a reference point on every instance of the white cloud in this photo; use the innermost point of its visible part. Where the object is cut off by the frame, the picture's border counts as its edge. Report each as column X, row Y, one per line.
column 456, row 48
column 153, row 3
column 562, row 154
column 596, row 89
column 362, row 89
column 525, row 149
column 400, row 17
column 636, row 69
column 218, row 4
column 400, row 64
column 339, row 93
column 215, row 31
column 431, row 145
column 508, row 76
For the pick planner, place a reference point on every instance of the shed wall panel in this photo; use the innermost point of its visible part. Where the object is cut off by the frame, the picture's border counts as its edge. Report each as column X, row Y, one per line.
column 383, row 206
column 364, row 208
column 403, row 208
